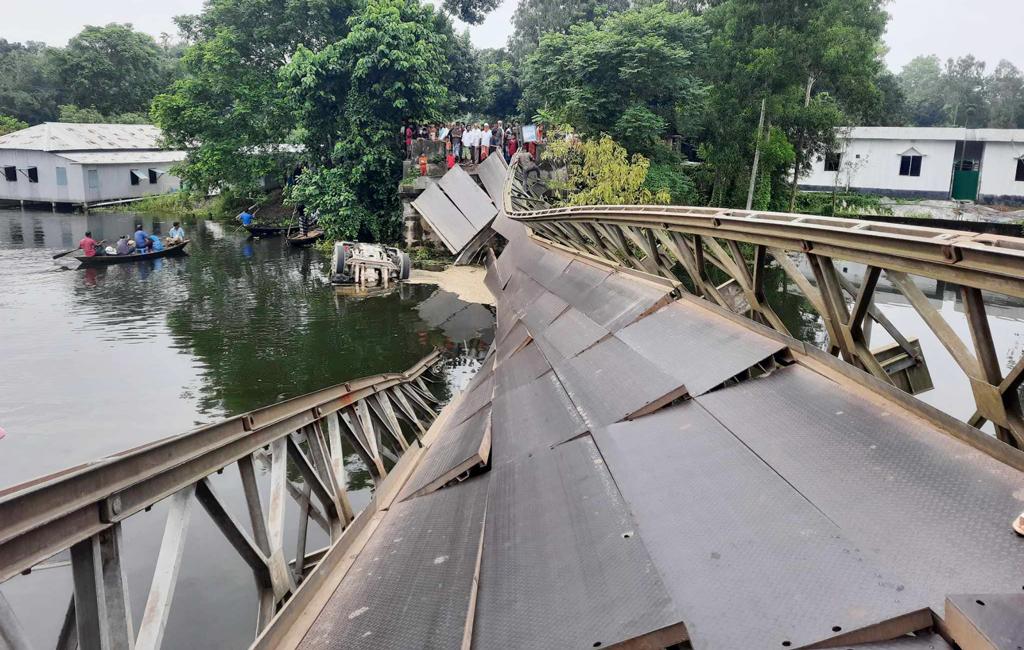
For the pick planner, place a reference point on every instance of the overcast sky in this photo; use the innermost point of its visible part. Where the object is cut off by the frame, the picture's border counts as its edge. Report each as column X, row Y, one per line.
column 990, row 29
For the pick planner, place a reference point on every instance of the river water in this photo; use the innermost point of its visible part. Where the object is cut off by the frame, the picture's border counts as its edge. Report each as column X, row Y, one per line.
column 95, row 361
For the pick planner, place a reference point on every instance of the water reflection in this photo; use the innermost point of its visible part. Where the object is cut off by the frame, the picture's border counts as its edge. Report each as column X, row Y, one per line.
column 103, row 359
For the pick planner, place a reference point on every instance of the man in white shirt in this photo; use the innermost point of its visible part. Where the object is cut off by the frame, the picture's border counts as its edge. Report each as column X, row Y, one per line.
column 467, row 142
column 485, row 142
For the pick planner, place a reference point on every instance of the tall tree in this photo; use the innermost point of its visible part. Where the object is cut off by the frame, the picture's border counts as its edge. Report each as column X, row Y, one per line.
column 626, row 75
column 964, row 81
column 535, row 18
column 923, row 86
column 28, row 90
column 1005, row 90
column 501, row 91
column 809, row 61
column 230, row 108
column 113, row 69
column 351, row 96
column 9, row 124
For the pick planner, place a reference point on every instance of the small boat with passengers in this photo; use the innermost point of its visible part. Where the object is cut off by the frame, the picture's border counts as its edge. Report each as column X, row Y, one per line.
column 172, row 250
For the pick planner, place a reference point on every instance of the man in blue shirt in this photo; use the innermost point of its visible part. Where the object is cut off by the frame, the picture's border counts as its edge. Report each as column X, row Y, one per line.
column 177, row 233
column 155, row 244
column 245, row 218
column 141, row 239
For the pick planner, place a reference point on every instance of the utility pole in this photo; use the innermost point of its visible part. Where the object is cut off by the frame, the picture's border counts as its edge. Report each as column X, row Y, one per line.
column 757, row 156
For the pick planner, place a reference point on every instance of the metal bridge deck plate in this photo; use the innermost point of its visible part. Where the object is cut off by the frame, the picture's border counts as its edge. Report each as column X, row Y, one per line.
column 749, row 562
column 923, row 641
column 455, row 450
column 411, row 585
column 577, row 279
column 619, row 300
column 545, row 308
column 531, row 417
column 610, row 382
column 446, row 220
column 550, row 266
column 935, row 507
column 467, row 196
column 563, row 566
column 700, row 349
column 478, row 395
column 571, row 333
column 520, row 369
column 492, row 174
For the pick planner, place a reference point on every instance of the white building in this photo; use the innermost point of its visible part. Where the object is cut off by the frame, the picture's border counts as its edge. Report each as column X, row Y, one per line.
column 84, row 164
column 983, row 165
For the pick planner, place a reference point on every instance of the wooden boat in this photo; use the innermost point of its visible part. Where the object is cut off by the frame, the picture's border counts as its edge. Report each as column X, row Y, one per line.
column 103, row 260
column 267, row 231
column 305, row 240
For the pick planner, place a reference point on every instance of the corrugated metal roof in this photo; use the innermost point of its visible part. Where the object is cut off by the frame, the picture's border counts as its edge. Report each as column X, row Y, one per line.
column 60, row 136
column 124, row 157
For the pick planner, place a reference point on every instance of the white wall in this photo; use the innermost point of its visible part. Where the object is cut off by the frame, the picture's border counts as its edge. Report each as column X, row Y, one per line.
column 46, row 189
column 877, row 170
column 115, row 180
column 998, row 170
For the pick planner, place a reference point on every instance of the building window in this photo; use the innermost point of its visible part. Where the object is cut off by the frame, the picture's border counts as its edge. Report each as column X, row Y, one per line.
column 134, row 175
column 33, row 174
column 1020, row 169
column 153, row 177
column 11, row 174
column 62, row 176
column 93, row 177
column 832, row 161
column 910, row 165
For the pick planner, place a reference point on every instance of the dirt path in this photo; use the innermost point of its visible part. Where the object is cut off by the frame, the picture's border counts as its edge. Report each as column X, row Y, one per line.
column 467, row 282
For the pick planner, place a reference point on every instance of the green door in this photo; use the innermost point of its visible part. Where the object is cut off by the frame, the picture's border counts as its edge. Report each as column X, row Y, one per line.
column 965, row 185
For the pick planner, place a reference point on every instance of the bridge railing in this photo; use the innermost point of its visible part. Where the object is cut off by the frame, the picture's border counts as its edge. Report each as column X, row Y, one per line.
column 81, row 510
column 696, row 247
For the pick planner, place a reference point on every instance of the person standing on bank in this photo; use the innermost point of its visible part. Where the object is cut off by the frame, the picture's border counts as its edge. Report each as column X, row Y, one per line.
column 467, row 142
column 455, row 137
column 485, row 142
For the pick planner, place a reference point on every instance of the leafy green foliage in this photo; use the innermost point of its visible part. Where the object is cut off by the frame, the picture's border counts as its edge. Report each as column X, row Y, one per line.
column 601, row 172
column 27, row 88
column 960, row 93
column 1005, row 90
column 10, row 124
column 842, row 203
column 626, row 75
column 671, row 178
column 113, row 69
column 351, row 96
column 501, row 91
column 535, row 18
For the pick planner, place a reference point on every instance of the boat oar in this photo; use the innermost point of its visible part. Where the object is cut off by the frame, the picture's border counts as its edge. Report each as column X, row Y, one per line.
column 65, row 253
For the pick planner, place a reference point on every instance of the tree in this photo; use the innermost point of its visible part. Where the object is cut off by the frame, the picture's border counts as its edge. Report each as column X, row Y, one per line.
column 812, row 62
column 1005, row 90
column 72, row 113
column 112, row 69
column 27, row 89
column 626, row 75
column 351, row 97
column 500, row 94
column 470, row 11
column 9, row 124
column 964, row 81
column 535, row 18
column 601, row 172
column 230, row 109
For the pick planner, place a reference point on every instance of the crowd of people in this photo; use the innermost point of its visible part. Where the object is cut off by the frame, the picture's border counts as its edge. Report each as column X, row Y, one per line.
column 139, row 243
column 473, row 142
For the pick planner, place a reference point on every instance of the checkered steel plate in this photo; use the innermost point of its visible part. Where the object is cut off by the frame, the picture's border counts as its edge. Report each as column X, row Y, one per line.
column 410, row 587
column 520, row 369
column 532, row 417
column 923, row 641
column 549, row 266
column 571, row 333
column 478, row 395
column 938, row 509
column 468, row 197
column 563, row 565
column 444, row 218
column 700, row 349
column 492, row 174
column 543, row 309
column 749, row 562
column 577, row 279
column 610, row 381
column 619, row 300
column 454, row 448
